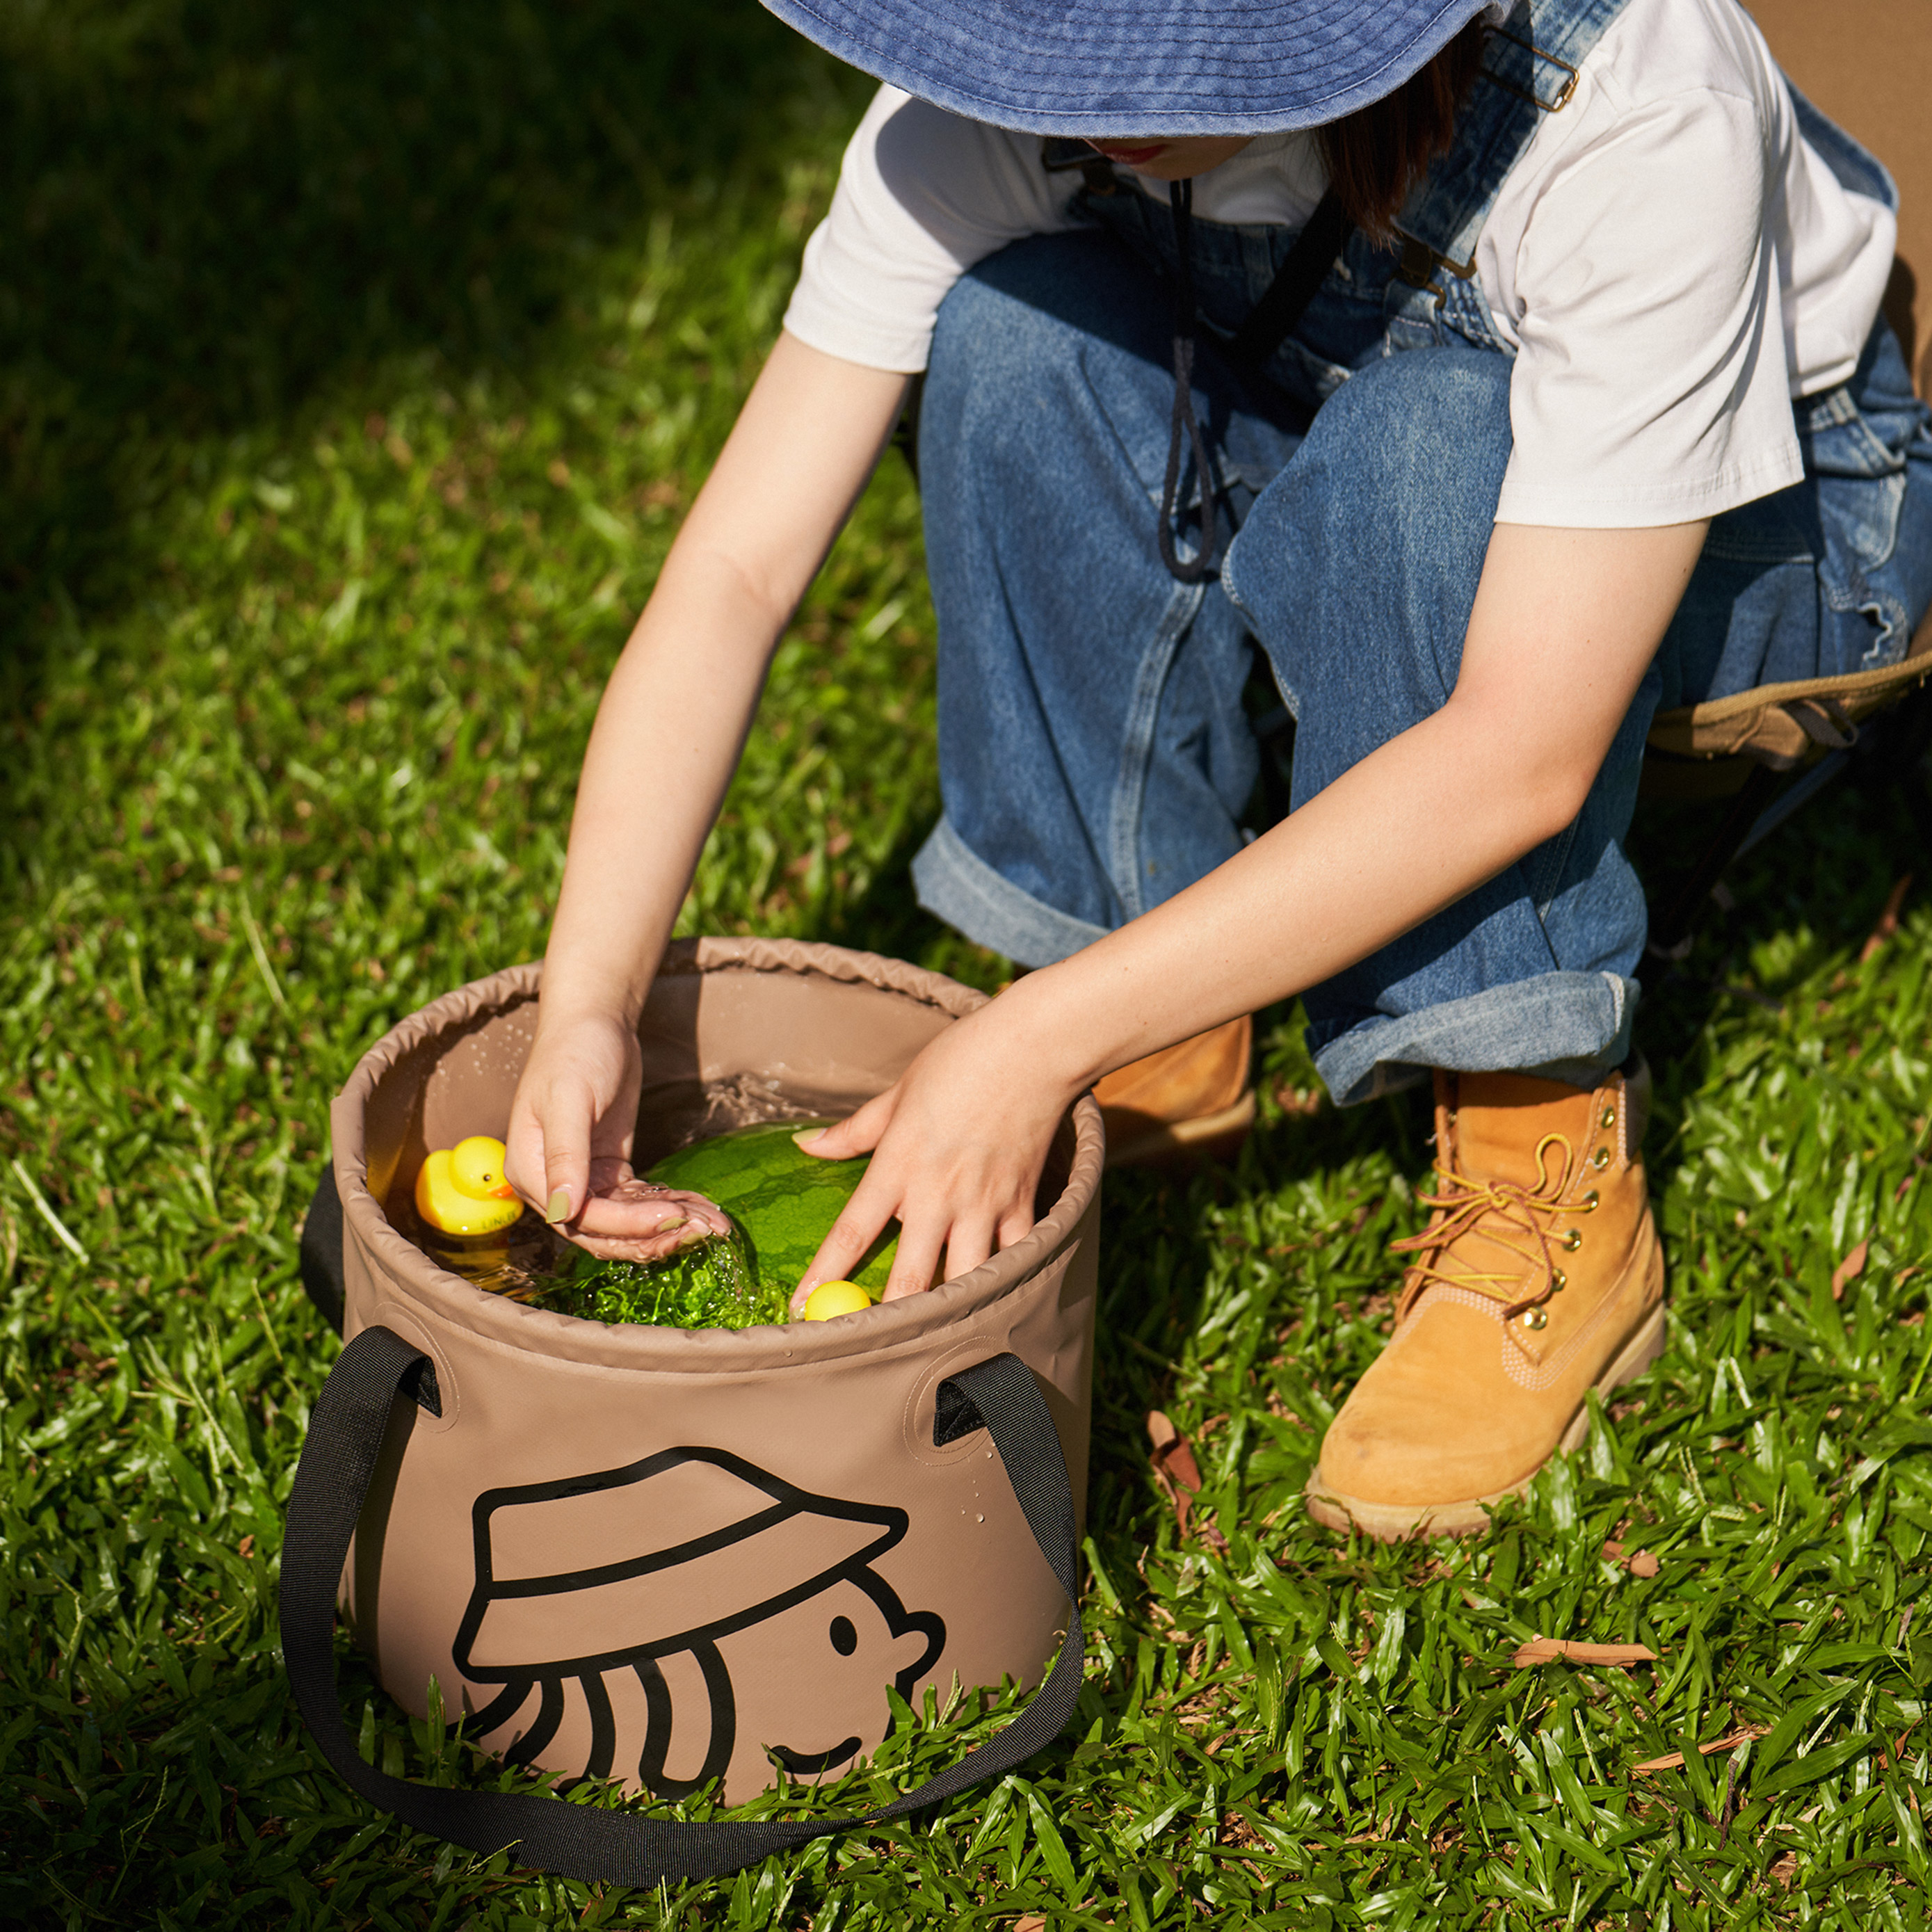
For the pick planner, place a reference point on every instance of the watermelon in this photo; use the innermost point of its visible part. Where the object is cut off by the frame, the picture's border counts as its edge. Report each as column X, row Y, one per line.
column 782, row 1203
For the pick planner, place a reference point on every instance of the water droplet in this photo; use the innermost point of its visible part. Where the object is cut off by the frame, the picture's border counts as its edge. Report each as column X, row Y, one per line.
column 978, row 1519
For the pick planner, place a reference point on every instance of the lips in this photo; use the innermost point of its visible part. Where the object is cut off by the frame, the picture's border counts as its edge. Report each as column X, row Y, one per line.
column 1129, row 155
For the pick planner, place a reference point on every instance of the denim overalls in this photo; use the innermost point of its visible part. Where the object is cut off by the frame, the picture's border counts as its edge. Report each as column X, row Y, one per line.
column 1094, row 756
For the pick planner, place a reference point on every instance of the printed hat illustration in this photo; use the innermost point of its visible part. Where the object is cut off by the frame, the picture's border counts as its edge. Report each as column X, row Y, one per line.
column 749, row 1544
column 578, row 1577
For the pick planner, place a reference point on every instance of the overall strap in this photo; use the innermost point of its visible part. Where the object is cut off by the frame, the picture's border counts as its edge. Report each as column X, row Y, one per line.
column 1856, row 169
column 1285, row 299
column 1529, row 71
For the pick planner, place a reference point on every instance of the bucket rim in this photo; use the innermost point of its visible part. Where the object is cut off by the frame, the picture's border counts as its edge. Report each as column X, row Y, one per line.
column 404, row 1269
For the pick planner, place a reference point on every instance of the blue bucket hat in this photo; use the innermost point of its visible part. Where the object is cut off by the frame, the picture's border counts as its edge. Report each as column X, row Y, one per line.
column 1138, row 67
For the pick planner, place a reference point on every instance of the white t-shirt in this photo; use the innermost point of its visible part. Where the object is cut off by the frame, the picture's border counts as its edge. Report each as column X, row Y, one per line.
column 1670, row 260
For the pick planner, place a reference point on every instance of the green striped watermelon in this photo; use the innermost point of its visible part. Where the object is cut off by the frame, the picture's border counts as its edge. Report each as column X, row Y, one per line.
column 782, row 1204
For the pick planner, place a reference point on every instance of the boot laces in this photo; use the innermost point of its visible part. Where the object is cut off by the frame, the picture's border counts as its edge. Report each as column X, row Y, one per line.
column 1514, row 1218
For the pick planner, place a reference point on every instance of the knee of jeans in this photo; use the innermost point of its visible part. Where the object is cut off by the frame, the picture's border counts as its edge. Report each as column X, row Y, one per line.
column 1429, row 426
column 1056, row 330
column 996, row 358
column 1385, row 510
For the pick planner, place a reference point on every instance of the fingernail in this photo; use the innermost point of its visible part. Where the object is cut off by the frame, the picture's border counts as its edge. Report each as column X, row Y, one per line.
column 806, row 1136
column 558, row 1209
column 676, row 1221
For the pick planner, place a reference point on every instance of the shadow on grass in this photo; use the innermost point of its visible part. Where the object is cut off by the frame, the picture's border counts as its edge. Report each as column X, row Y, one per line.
column 1815, row 889
column 211, row 212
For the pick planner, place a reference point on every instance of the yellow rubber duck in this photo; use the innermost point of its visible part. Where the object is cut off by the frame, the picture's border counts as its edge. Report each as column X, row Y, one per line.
column 461, row 1190
column 834, row 1298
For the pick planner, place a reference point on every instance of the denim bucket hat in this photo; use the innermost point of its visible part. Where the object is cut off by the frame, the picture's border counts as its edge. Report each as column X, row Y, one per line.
column 1138, row 67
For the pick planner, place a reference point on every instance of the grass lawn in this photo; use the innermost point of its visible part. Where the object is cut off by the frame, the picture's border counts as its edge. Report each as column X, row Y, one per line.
column 355, row 363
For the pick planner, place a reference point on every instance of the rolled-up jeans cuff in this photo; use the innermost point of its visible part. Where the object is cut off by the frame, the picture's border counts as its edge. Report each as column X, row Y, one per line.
column 1572, row 1027
column 953, row 882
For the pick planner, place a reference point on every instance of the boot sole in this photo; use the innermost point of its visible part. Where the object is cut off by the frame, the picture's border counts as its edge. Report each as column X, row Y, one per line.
column 1393, row 1522
column 1215, row 1136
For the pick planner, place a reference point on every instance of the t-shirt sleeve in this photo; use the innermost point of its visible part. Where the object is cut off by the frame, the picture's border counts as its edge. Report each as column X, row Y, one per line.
column 1651, row 383
column 922, row 195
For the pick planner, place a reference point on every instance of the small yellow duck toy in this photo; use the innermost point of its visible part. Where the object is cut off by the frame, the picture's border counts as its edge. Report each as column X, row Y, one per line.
column 461, row 1190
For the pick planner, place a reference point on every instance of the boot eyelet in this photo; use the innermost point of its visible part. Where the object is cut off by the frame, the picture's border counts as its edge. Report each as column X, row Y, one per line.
column 1609, row 1118
column 1600, row 1159
column 1535, row 1317
column 1587, row 1205
column 1573, row 1240
column 1558, row 1281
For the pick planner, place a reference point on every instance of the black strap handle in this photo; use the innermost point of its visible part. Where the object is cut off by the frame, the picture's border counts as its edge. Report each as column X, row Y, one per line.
column 321, row 1258
column 338, row 1459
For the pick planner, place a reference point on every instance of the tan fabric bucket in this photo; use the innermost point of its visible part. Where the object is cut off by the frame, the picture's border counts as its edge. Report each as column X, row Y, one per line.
column 662, row 1555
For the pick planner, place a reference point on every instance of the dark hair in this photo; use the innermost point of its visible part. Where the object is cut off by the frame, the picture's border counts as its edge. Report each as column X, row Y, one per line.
column 1376, row 154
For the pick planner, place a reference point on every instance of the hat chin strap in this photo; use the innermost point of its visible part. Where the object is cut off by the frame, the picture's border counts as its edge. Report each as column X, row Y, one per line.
column 378, row 1369
column 1268, row 326
column 1184, row 427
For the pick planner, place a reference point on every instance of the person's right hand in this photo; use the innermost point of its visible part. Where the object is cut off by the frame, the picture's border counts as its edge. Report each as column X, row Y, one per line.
column 569, row 1146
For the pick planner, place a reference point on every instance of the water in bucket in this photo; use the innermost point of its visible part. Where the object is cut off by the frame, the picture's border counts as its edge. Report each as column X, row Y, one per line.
column 781, row 1203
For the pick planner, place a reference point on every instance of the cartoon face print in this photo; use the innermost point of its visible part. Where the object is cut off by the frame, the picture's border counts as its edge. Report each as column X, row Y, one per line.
column 684, row 1617
column 806, row 1677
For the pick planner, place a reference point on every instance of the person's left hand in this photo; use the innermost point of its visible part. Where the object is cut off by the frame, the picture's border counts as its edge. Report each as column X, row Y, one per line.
column 958, row 1143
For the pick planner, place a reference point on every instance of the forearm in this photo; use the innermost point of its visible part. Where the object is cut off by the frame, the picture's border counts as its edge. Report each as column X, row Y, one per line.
column 1413, row 828
column 1565, row 625
column 674, row 717
column 668, row 734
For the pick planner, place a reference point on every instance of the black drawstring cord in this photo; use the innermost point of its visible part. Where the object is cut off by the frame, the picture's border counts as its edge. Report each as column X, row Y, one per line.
column 1185, row 429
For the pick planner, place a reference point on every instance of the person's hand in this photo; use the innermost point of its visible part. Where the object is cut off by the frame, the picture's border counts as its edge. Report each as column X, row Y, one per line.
column 958, row 1144
column 569, row 1146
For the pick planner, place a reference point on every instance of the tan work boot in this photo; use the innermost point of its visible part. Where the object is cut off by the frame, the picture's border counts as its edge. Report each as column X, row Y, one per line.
column 1192, row 1098
column 1539, row 1278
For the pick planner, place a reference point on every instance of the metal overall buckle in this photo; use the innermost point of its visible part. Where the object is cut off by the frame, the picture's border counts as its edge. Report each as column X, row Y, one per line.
column 1420, row 262
column 1564, row 90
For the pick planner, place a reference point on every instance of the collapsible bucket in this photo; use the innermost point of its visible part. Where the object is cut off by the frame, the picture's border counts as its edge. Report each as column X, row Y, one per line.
column 669, row 1556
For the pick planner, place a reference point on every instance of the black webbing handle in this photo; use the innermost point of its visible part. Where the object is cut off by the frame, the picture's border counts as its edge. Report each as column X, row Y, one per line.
column 338, row 1459
column 321, row 1258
